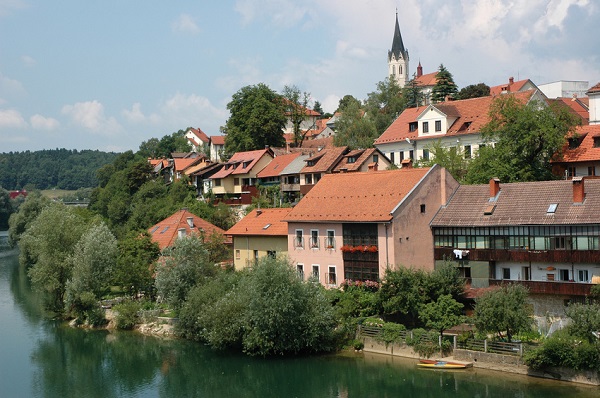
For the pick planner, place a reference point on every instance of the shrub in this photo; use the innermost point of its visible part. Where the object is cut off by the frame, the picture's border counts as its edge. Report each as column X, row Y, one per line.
column 127, row 314
column 392, row 333
column 424, row 342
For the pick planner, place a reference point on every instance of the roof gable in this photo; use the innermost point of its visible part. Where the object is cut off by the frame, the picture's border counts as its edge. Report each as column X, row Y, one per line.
column 324, row 160
column 277, row 165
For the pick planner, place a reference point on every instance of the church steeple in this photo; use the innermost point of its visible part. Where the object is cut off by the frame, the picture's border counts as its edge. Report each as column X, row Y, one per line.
column 398, row 57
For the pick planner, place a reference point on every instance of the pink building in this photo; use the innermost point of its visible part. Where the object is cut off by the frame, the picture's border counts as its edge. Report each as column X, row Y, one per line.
column 355, row 225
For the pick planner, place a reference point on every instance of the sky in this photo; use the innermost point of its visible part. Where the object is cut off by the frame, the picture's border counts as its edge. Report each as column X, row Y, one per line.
column 111, row 74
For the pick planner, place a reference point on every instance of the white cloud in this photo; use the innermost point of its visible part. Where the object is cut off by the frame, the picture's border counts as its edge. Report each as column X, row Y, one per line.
column 11, row 87
column 11, row 118
column 183, row 110
column 90, row 115
column 8, row 6
column 185, row 24
column 282, row 13
column 40, row 122
column 556, row 13
column 28, row 61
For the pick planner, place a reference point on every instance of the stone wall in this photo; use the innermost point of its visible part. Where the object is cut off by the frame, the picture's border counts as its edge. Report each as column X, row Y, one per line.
column 478, row 356
column 401, row 350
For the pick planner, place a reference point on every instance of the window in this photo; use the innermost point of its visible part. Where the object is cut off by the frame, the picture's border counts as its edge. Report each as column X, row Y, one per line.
column 351, row 159
column 564, row 274
column 272, row 253
column 237, row 254
column 425, row 127
column 411, row 154
column 467, row 151
column 596, row 142
column 505, row 273
column 591, row 170
column 412, row 126
column 300, row 269
column 308, row 179
column 330, row 242
column 425, row 154
column 375, row 158
column 401, row 156
column 314, row 238
column 255, row 256
column 583, row 275
column 299, row 241
column 552, row 208
column 331, row 277
column 572, row 170
column 316, row 177
column 438, row 125
column 315, row 271
column 236, row 181
column 310, row 162
column 422, row 208
column 217, row 182
column 392, row 156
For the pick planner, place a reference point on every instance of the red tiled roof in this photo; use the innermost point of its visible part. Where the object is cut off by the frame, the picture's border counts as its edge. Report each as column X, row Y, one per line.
column 217, row 139
column 325, row 160
column 472, row 114
column 277, row 165
column 575, row 106
column 524, row 203
column 594, row 89
column 586, row 151
column 165, row 233
column 356, row 197
column 318, row 142
column 266, row 222
column 428, row 79
column 183, row 163
column 360, row 155
column 200, row 134
column 236, row 163
column 509, row 87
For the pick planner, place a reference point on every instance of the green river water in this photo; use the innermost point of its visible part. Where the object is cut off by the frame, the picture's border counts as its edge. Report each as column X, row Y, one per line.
column 42, row 358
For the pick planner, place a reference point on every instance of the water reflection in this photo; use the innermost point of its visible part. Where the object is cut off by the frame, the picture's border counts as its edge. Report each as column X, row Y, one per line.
column 66, row 362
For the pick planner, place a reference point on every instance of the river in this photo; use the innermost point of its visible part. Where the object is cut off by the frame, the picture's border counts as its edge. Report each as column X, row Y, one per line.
column 43, row 358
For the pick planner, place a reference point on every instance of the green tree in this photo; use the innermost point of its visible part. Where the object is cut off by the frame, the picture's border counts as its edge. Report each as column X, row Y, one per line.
column 93, row 262
column 444, row 85
column 46, row 247
column 257, row 119
column 354, row 129
column 346, row 101
column 585, row 321
column 412, row 94
column 503, row 310
column 402, row 293
column 442, row 314
column 19, row 222
column 526, row 136
column 296, row 109
column 181, row 267
column 473, row 91
column 6, row 208
column 451, row 158
column 385, row 104
column 137, row 253
column 317, row 107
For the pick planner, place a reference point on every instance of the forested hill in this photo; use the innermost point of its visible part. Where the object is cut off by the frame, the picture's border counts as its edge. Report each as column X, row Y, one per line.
column 53, row 168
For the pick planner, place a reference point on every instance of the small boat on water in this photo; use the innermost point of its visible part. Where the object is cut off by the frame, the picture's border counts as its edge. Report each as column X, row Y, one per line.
column 436, row 364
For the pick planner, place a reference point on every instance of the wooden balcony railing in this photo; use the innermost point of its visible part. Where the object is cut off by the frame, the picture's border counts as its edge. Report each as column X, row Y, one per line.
column 556, row 287
column 521, row 255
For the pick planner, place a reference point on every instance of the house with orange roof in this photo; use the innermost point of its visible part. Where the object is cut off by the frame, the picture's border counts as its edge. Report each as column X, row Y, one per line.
column 453, row 123
column 260, row 233
column 179, row 225
column 271, row 174
column 236, row 181
column 513, row 87
column 197, row 139
column 356, row 225
column 425, row 83
column 309, row 122
column 290, row 178
column 362, row 160
column 321, row 162
column 543, row 235
column 581, row 156
column 200, row 177
column 216, row 147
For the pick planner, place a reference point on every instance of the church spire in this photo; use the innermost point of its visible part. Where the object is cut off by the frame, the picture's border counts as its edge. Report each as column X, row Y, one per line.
column 398, row 50
column 398, row 58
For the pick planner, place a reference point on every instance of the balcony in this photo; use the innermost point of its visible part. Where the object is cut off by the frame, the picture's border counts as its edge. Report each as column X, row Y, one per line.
column 290, row 187
column 522, row 255
column 544, row 287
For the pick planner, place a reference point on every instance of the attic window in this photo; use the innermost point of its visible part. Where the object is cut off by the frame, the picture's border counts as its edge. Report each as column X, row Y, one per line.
column 154, row 230
column 412, row 126
column 552, row 208
column 245, row 164
column 310, row 162
column 574, row 143
column 489, row 210
column 596, row 142
column 164, row 230
column 266, row 226
column 351, row 159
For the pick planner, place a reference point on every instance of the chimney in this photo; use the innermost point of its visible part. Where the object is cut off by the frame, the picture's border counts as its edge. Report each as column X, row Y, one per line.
column 373, row 167
column 578, row 190
column 511, row 80
column 258, row 212
column 419, row 70
column 190, row 221
column 181, row 233
column 494, row 187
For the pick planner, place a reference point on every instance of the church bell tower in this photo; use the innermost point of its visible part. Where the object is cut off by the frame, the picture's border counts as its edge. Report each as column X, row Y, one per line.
column 398, row 58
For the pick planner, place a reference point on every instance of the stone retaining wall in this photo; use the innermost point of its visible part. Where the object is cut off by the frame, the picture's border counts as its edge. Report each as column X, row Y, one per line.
column 479, row 356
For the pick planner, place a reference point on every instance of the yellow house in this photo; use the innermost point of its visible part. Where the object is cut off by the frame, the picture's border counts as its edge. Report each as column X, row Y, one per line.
column 259, row 234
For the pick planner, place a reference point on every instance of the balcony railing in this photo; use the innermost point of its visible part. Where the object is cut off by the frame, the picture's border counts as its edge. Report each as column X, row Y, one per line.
column 520, row 255
column 299, row 242
column 546, row 287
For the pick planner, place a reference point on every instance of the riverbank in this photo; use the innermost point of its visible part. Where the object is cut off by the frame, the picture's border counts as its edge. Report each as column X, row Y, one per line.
column 492, row 362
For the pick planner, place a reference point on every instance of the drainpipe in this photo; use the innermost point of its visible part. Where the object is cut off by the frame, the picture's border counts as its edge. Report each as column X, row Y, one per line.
column 387, row 257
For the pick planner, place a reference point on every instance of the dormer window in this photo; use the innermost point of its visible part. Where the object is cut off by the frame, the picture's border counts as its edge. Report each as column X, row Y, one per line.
column 310, row 162
column 412, row 126
column 425, row 127
column 438, row 126
column 596, row 142
column 245, row 164
column 351, row 159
